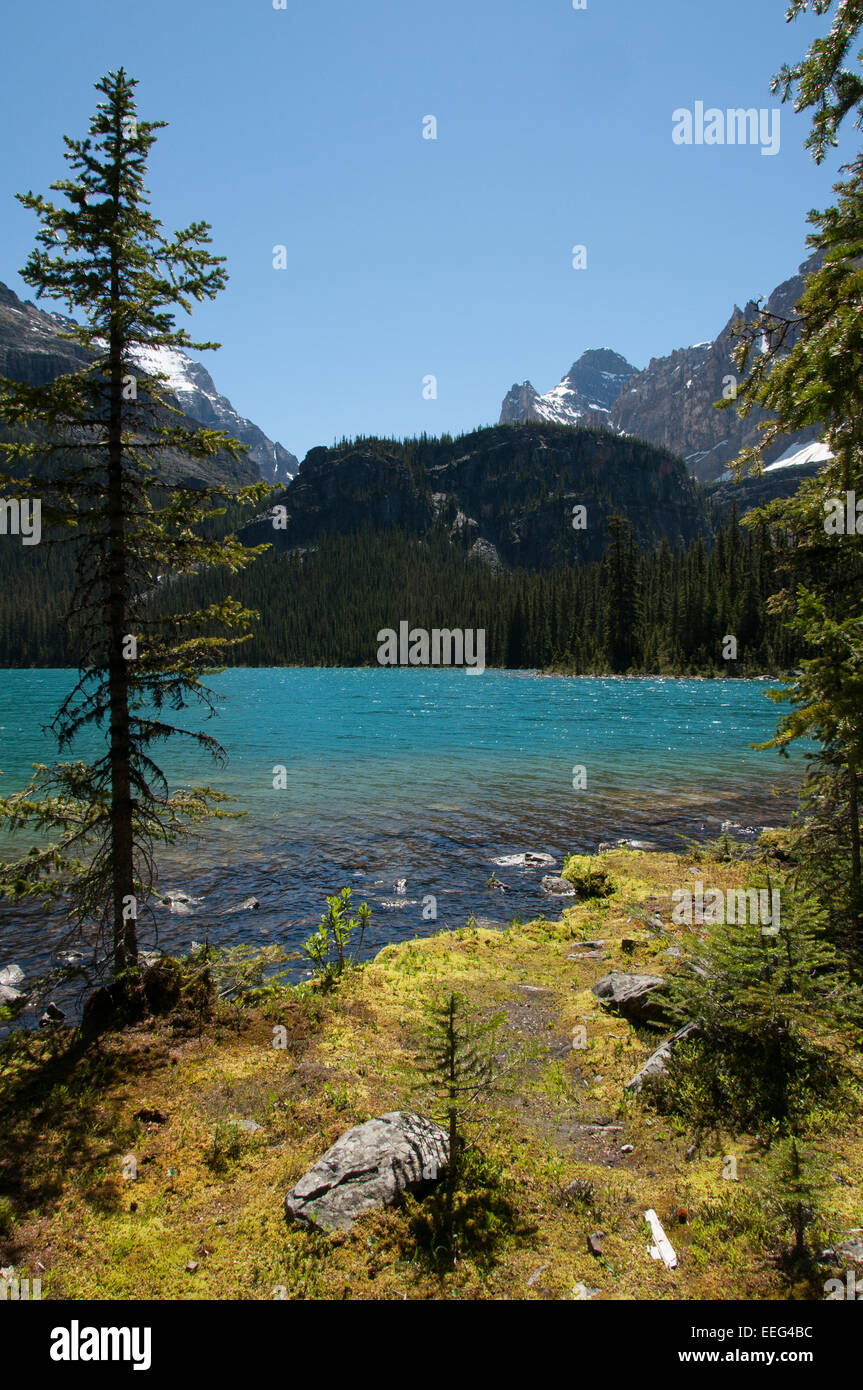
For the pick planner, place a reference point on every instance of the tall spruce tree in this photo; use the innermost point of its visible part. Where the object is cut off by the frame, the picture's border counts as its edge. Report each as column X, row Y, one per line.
column 808, row 370
column 623, row 604
column 820, row 381
column 97, row 444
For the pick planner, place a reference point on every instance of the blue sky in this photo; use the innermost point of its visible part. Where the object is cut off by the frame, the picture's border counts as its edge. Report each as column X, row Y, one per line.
column 451, row 257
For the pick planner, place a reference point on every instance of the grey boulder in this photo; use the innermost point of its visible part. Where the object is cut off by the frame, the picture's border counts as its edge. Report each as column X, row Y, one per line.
column 850, row 1247
column 367, row 1168
column 632, row 995
column 11, row 976
column 551, row 883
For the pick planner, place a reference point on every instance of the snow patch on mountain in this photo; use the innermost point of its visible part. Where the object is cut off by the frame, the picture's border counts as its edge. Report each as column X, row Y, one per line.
column 168, row 362
column 195, row 392
column 796, row 457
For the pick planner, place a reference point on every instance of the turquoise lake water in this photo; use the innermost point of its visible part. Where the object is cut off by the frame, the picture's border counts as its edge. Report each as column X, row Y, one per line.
column 403, row 783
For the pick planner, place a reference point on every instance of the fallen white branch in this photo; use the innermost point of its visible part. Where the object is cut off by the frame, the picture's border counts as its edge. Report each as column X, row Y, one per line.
column 663, row 1249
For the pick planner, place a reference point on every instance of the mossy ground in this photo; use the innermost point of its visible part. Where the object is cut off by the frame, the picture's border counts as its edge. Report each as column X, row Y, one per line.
column 210, row 1193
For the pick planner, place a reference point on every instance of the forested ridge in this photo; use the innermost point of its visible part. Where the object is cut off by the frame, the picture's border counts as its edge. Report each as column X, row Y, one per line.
column 667, row 611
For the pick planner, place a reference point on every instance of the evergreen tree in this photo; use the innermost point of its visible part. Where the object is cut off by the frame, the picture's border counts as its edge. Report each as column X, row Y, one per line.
column 753, row 994
column 820, row 381
column 822, row 80
column 459, row 1066
column 106, row 431
column 622, row 601
column 792, row 1184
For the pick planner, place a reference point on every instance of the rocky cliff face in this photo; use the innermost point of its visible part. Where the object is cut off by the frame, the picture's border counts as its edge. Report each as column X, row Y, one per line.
column 33, row 350
column 195, row 392
column 506, row 494
column 670, row 403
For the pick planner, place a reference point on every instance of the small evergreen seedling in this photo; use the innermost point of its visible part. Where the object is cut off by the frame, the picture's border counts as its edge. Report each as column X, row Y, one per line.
column 792, row 1187
column 460, row 1065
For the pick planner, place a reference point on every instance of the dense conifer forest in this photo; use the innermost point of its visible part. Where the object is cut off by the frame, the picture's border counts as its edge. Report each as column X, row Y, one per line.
column 666, row 612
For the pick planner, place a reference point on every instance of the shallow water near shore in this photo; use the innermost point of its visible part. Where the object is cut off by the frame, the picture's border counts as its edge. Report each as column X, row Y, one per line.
column 403, row 783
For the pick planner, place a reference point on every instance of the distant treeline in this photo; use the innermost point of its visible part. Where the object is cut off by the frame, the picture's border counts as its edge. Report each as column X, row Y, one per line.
column 666, row 612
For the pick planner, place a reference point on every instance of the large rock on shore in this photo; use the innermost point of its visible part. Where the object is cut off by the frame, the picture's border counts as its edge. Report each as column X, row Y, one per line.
column 11, row 976
column 632, row 995
column 558, row 887
column 367, row 1168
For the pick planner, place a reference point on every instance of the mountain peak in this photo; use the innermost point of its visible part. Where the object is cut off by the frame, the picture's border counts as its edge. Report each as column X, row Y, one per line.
column 603, row 360
column 671, row 403
column 585, row 395
column 519, row 404
column 33, row 349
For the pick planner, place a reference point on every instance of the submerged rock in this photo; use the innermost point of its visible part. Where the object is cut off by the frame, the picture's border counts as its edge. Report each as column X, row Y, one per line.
column 367, row 1168
column 11, row 976
column 651, row 845
column 522, row 861
column 180, row 903
column 70, row 958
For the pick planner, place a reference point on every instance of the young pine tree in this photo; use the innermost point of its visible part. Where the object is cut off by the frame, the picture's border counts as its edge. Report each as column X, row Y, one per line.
column 754, row 994
column 98, row 444
column 792, row 1184
column 460, row 1066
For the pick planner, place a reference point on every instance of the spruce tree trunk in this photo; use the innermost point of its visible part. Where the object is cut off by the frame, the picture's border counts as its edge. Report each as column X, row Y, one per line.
column 452, row 1171
column 453, row 1147
column 122, row 843
column 854, row 825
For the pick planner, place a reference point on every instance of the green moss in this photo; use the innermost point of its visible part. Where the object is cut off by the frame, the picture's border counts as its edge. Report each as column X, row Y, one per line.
column 588, row 876
column 354, row 1053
